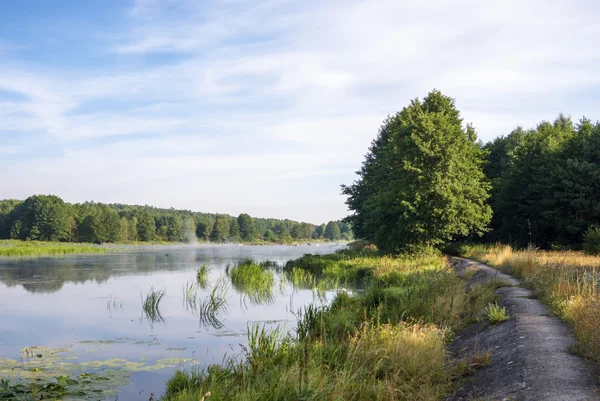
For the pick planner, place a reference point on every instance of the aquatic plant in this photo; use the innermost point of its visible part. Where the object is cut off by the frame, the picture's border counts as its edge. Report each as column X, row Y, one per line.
column 211, row 309
column 386, row 343
column 151, row 305
column 254, row 281
column 190, row 295
column 202, row 276
column 16, row 248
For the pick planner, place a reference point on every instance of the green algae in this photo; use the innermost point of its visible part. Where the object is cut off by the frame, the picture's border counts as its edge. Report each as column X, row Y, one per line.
column 52, row 376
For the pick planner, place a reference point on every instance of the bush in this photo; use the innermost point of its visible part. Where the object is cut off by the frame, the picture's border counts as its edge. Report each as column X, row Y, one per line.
column 591, row 241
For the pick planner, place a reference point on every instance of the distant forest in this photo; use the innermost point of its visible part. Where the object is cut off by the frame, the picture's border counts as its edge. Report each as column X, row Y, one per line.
column 49, row 218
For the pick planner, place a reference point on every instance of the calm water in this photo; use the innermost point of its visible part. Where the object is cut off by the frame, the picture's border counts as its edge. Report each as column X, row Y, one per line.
column 91, row 307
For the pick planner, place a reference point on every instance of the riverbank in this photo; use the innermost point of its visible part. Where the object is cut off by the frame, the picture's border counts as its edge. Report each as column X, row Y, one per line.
column 18, row 248
column 387, row 342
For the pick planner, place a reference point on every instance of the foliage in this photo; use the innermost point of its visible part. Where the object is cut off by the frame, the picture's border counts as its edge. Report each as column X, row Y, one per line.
column 568, row 281
column 591, row 241
column 545, row 184
column 421, row 183
column 48, row 218
column 386, row 343
column 248, row 230
column 496, row 313
column 12, row 248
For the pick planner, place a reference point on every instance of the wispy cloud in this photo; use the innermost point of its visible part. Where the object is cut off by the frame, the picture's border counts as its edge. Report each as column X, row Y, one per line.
column 233, row 105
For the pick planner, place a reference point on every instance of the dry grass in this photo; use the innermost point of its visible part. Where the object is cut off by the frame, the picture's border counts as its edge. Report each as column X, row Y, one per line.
column 568, row 281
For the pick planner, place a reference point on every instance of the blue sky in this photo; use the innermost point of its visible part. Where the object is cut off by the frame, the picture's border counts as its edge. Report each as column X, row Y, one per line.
column 264, row 107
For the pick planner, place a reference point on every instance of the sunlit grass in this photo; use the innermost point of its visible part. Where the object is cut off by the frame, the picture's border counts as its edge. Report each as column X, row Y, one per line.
column 253, row 280
column 387, row 343
column 496, row 314
column 190, row 295
column 16, row 248
column 568, row 281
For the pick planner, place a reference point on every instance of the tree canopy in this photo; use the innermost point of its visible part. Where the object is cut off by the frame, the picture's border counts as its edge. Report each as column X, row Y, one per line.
column 422, row 182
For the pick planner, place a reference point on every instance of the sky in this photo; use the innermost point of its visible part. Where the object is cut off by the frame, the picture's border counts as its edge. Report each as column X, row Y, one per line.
column 264, row 106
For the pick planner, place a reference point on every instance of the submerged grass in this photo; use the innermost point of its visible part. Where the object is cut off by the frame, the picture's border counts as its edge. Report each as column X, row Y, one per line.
column 16, row 248
column 214, row 306
column 202, row 276
column 568, row 281
column 256, row 281
column 387, row 343
column 151, row 305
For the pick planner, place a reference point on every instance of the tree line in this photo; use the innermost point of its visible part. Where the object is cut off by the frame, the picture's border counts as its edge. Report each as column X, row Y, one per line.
column 428, row 180
column 49, row 218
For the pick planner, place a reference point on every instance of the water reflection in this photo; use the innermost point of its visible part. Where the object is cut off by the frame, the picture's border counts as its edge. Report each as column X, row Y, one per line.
column 109, row 307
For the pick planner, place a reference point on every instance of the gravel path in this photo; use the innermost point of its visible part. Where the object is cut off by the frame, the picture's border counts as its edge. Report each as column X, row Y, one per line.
column 530, row 352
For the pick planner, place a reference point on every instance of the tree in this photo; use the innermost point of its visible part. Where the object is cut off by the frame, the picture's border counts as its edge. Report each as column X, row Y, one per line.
column 319, row 231
column 332, row 231
column 43, row 217
column 270, row 236
column 234, row 230
column 174, row 228
column 422, row 182
column 248, row 230
column 123, row 229
column 220, row 230
column 132, row 234
column 146, row 227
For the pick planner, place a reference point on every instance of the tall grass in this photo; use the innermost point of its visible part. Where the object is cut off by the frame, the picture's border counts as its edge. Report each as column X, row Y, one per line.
column 568, row 281
column 202, row 275
column 384, row 344
column 15, row 248
column 211, row 309
column 151, row 305
column 253, row 280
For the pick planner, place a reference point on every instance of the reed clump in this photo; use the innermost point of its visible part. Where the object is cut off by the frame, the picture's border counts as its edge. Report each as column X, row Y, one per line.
column 255, row 280
column 151, row 305
column 386, row 343
column 568, row 281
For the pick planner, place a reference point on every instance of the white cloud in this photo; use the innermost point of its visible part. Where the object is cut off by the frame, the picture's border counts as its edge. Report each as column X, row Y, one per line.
column 275, row 102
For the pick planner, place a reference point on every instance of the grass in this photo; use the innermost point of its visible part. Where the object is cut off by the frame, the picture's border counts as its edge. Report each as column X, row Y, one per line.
column 387, row 343
column 212, row 308
column 568, row 281
column 254, row 280
column 202, row 275
column 151, row 305
column 16, row 248
column 190, row 295
column 496, row 314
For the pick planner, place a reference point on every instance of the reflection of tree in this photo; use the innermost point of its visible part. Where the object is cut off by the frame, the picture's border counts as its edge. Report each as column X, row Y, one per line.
column 47, row 275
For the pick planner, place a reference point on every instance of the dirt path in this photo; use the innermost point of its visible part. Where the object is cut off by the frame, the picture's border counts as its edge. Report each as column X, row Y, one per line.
column 530, row 352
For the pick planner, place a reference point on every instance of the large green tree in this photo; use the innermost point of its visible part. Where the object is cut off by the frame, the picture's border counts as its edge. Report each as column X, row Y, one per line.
column 43, row 217
column 422, row 182
column 332, row 231
column 248, row 230
column 220, row 230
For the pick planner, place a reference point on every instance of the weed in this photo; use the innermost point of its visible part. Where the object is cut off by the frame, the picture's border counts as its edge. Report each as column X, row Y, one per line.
column 254, row 281
column 150, row 305
column 202, row 276
column 496, row 314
